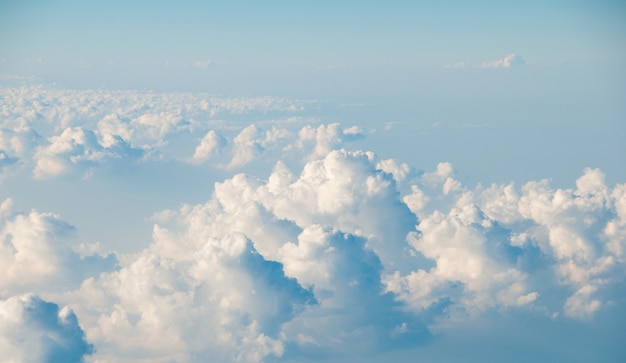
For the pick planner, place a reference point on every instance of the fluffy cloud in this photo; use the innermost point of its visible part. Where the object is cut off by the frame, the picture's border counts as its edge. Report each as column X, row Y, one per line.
column 210, row 144
column 251, row 143
column 33, row 330
column 336, row 258
column 75, row 146
column 510, row 60
column 334, row 251
column 55, row 132
column 503, row 246
column 217, row 297
column 327, row 137
column 256, row 143
column 36, row 254
column 260, row 271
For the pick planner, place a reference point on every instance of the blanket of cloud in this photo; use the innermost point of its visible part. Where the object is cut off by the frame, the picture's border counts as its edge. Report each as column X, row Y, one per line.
column 309, row 248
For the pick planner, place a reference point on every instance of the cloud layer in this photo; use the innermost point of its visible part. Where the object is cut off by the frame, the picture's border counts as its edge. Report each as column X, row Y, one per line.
column 336, row 258
column 333, row 252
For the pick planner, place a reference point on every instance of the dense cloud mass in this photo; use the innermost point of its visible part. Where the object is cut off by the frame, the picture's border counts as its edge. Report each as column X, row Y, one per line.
column 334, row 253
column 33, row 330
column 37, row 253
column 334, row 258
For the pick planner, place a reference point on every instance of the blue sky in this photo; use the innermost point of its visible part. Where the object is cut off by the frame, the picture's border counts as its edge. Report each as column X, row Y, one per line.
column 312, row 181
column 313, row 35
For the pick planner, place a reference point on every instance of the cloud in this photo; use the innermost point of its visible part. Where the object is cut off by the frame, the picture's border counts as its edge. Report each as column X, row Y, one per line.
column 252, row 142
column 33, row 330
column 334, row 258
column 248, row 144
column 260, row 271
column 502, row 246
column 327, row 137
column 510, row 60
column 61, row 131
column 331, row 253
column 81, row 148
column 202, row 63
column 36, row 254
column 217, row 297
column 210, row 144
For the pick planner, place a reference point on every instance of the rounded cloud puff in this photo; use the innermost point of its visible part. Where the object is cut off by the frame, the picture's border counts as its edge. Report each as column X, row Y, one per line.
column 33, row 330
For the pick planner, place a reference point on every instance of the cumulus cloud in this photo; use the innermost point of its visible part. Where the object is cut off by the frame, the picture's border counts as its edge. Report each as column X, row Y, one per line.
column 492, row 245
column 336, row 258
column 33, row 330
column 253, row 142
column 341, row 251
column 326, row 138
column 210, row 144
column 75, row 146
column 36, row 253
column 217, row 297
column 60, row 131
column 510, row 60
column 260, row 271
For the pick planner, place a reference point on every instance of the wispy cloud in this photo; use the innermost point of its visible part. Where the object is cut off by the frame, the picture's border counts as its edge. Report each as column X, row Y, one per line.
column 508, row 61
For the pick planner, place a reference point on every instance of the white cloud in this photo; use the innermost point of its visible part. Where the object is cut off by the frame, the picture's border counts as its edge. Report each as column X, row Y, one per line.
column 252, row 142
column 247, row 145
column 97, row 127
column 296, row 264
column 33, row 330
column 342, row 243
column 202, row 63
column 486, row 242
column 36, row 254
column 81, row 148
column 261, row 271
column 210, row 144
column 217, row 297
column 400, row 171
column 346, row 252
column 510, row 60
column 327, row 137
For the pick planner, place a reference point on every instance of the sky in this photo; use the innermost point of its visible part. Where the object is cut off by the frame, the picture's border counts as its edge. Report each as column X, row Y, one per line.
column 312, row 182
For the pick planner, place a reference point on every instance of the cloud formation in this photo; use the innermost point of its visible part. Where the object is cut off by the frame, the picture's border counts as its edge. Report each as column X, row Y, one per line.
column 210, row 144
column 491, row 245
column 335, row 258
column 36, row 254
column 33, row 330
column 332, row 253
column 57, row 132
column 510, row 60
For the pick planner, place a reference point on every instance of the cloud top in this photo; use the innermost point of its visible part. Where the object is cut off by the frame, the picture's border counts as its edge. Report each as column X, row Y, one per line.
column 510, row 60
column 33, row 330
